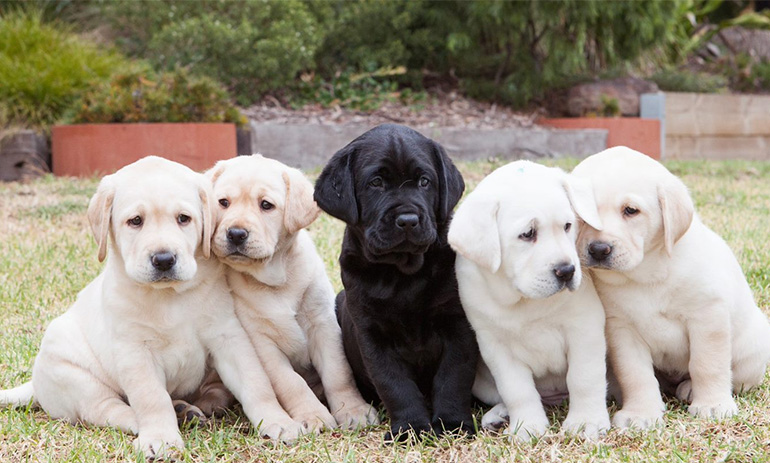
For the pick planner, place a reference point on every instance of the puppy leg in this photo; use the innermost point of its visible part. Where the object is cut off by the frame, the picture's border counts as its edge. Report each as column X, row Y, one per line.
column 632, row 365
column 710, row 359
column 213, row 397
column 242, row 373
column 454, row 378
column 586, row 379
column 325, row 345
column 516, row 387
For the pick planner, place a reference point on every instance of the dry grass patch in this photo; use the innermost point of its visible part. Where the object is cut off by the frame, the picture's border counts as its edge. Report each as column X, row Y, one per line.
column 47, row 255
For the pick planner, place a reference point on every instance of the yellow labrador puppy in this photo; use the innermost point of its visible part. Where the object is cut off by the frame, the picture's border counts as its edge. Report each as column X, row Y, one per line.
column 283, row 297
column 515, row 239
column 142, row 332
column 676, row 298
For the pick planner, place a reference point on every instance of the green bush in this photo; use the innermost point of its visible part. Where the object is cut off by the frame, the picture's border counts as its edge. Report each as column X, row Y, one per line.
column 142, row 96
column 674, row 80
column 45, row 67
column 252, row 46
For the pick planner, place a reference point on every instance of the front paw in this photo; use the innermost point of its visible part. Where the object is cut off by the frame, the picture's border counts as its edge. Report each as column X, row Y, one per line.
column 356, row 416
column 495, row 419
column 722, row 409
column 401, row 432
column 284, row 429
column 625, row 419
column 587, row 427
column 452, row 425
column 159, row 445
column 525, row 429
column 187, row 413
column 316, row 420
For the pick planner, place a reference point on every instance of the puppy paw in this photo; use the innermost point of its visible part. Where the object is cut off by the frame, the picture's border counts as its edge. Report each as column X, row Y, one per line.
column 407, row 431
column 159, row 445
column 684, row 391
column 187, row 413
column 313, row 422
column 587, row 427
column 495, row 419
column 524, row 431
column 723, row 409
column 454, row 425
column 625, row 419
column 356, row 416
column 285, row 430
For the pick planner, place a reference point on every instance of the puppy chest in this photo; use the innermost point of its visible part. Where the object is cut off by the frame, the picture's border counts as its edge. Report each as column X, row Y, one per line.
column 542, row 349
column 183, row 361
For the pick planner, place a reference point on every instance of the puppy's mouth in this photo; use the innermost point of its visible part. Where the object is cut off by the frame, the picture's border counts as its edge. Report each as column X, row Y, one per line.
column 238, row 257
column 405, row 244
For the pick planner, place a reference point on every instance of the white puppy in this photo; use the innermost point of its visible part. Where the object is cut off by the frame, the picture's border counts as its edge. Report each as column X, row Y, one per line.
column 283, row 297
column 515, row 238
column 676, row 298
column 141, row 333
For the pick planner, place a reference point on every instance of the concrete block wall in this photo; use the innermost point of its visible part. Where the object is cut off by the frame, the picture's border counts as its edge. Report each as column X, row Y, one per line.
column 708, row 126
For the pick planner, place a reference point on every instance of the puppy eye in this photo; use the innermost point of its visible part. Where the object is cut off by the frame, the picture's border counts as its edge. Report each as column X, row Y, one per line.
column 376, row 182
column 528, row 236
column 224, row 202
column 424, row 181
column 630, row 211
column 567, row 227
column 266, row 206
column 183, row 219
column 135, row 221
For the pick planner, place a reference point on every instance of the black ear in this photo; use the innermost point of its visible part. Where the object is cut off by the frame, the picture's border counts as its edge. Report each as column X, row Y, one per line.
column 335, row 191
column 450, row 183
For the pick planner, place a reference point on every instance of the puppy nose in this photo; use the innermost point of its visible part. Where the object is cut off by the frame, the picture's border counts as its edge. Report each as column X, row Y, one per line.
column 163, row 261
column 599, row 250
column 407, row 221
column 564, row 272
column 237, row 236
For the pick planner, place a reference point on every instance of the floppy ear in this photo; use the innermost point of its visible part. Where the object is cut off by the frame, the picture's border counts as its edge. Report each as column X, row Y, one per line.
column 473, row 232
column 677, row 209
column 450, row 183
column 100, row 213
column 335, row 190
column 300, row 209
column 214, row 173
column 207, row 213
column 580, row 192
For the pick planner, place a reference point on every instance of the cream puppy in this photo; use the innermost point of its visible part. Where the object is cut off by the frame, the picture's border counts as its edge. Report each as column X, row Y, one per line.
column 283, row 297
column 515, row 239
column 676, row 298
column 143, row 331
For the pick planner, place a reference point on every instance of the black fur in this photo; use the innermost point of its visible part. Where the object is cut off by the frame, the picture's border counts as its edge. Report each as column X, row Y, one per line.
column 404, row 331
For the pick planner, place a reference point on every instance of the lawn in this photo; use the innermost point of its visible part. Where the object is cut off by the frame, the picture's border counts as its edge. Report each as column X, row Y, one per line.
column 47, row 255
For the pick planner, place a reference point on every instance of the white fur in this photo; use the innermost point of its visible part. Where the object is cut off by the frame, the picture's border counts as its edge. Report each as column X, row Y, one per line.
column 132, row 339
column 674, row 294
column 283, row 297
column 536, row 339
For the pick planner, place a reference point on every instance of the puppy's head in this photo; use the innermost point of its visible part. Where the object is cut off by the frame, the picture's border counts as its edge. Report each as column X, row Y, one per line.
column 522, row 221
column 262, row 203
column 642, row 205
column 395, row 189
column 157, row 214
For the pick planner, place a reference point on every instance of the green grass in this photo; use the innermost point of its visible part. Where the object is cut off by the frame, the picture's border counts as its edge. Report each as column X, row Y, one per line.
column 47, row 255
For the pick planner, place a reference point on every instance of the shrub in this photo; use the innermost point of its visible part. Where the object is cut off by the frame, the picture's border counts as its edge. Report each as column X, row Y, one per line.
column 44, row 68
column 673, row 80
column 142, row 96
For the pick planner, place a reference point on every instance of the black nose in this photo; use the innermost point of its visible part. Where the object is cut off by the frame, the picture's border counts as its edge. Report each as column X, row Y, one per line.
column 163, row 261
column 564, row 272
column 237, row 236
column 599, row 250
column 407, row 221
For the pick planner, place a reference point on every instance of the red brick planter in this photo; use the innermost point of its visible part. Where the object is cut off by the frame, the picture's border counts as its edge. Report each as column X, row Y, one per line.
column 637, row 133
column 95, row 149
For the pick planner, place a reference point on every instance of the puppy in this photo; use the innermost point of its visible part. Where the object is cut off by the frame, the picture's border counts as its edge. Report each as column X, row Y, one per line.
column 403, row 328
column 676, row 298
column 515, row 239
column 283, row 297
column 141, row 333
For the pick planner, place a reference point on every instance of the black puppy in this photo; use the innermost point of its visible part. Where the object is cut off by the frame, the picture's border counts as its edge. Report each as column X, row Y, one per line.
column 404, row 331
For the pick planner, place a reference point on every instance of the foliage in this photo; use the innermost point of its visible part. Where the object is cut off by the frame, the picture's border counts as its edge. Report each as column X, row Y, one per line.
column 45, row 66
column 683, row 80
column 252, row 46
column 143, row 96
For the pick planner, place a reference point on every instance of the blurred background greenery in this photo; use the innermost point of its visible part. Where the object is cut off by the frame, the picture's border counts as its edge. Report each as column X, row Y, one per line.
column 103, row 60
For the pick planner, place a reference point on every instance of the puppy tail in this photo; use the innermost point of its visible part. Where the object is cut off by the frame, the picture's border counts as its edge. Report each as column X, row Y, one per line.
column 19, row 396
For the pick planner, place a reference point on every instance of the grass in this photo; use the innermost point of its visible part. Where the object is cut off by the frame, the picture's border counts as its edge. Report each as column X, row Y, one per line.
column 47, row 255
